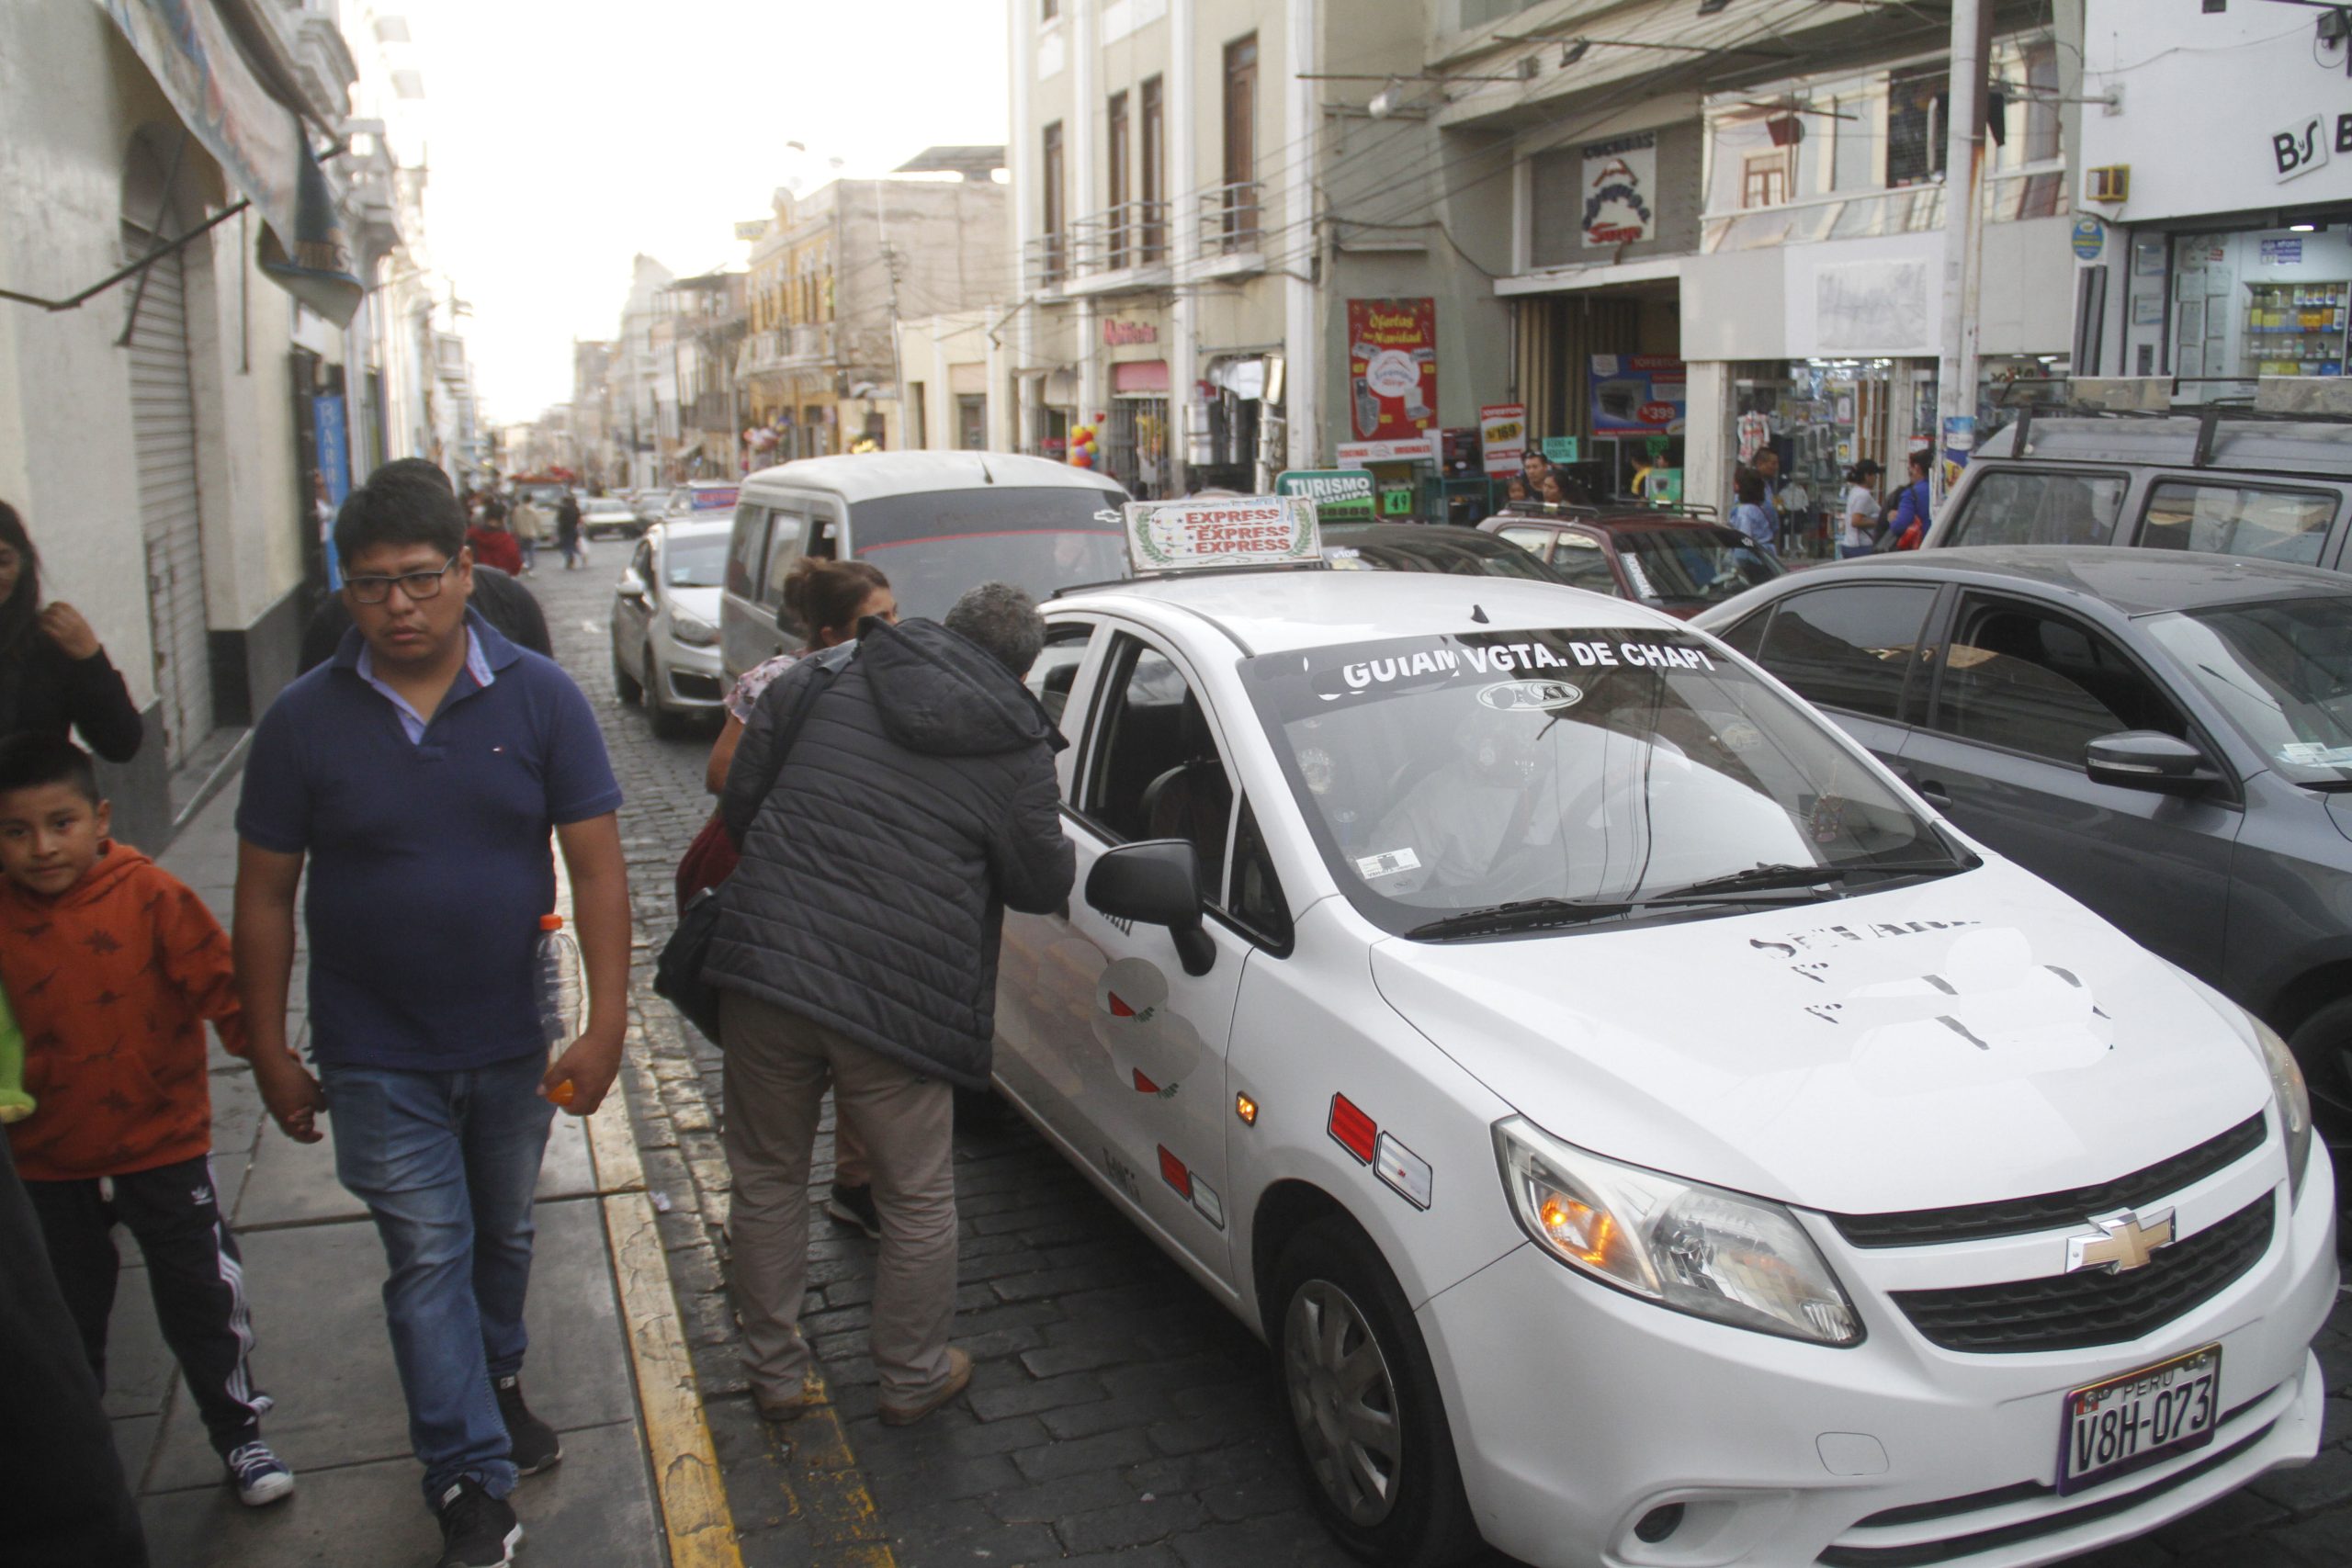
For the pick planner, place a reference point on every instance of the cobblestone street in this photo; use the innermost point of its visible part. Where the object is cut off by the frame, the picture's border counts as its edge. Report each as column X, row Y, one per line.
column 1116, row 1412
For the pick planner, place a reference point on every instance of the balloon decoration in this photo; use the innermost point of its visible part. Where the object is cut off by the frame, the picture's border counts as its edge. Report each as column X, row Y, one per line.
column 1081, row 444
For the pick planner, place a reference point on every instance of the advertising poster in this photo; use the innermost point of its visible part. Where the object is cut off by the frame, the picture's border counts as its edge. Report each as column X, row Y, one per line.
column 1637, row 392
column 1392, row 368
column 1503, row 436
column 1619, row 179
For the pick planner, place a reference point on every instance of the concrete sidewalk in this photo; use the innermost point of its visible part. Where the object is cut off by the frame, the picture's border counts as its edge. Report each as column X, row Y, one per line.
column 314, row 1273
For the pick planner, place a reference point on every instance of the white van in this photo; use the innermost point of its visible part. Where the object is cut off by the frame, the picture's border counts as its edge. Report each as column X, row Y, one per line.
column 937, row 523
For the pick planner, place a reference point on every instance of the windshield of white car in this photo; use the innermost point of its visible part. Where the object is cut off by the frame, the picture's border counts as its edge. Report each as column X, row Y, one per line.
column 1691, row 565
column 1577, row 773
column 936, row 544
column 2282, row 672
column 696, row 563
column 604, row 507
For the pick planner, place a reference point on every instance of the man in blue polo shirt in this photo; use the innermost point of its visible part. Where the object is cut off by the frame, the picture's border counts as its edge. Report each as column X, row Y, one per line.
column 419, row 773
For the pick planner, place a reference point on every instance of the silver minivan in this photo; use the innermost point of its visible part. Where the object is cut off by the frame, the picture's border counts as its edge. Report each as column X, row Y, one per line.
column 936, row 522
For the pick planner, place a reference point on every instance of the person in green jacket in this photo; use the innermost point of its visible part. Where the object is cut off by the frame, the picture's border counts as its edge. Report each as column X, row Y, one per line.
column 15, row 1103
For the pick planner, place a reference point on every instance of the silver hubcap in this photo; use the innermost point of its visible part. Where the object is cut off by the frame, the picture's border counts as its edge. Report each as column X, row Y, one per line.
column 1343, row 1402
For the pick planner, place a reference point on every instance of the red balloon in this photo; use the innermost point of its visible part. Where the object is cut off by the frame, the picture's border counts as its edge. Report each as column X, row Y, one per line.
column 1081, row 460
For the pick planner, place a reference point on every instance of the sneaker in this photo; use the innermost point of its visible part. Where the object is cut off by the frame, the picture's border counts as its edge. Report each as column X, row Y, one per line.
column 260, row 1476
column 478, row 1530
column 959, row 1372
column 854, row 1206
column 531, row 1442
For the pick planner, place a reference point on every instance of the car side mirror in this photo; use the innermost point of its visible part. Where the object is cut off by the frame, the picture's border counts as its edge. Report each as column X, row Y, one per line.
column 2150, row 759
column 631, row 586
column 1156, row 882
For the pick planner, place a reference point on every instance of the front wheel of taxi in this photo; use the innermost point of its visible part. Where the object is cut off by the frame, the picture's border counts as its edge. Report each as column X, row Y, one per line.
column 1367, row 1422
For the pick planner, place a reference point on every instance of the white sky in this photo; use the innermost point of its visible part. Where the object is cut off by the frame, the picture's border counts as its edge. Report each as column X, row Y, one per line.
column 565, row 138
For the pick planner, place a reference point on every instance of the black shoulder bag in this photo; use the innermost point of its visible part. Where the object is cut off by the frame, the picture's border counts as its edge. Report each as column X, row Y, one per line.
column 677, row 973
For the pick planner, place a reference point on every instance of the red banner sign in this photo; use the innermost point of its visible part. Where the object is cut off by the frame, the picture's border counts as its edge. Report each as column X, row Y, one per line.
column 1392, row 368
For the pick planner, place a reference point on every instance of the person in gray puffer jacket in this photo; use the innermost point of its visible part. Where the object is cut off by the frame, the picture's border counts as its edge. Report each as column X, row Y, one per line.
column 856, row 944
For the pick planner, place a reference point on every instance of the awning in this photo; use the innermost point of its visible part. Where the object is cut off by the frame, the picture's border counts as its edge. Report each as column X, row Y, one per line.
column 257, row 140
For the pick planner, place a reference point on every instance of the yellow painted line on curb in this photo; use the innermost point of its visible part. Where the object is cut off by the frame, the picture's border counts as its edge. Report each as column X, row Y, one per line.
column 845, row 1527
column 686, row 1479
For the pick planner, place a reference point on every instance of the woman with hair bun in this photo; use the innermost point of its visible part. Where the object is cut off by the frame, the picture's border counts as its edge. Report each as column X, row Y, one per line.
column 54, row 675
column 830, row 599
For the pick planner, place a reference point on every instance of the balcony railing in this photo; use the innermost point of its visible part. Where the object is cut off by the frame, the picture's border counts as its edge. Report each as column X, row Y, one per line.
column 789, row 347
column 1229, row 218
column 2036, row 190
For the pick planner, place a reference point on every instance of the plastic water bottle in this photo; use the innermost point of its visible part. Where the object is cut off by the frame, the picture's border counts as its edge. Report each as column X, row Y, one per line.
column 560, row 992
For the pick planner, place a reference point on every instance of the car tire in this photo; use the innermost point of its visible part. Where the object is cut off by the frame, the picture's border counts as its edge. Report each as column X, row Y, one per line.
column 628, row 685
column 1339, row 1317
column 668, row 724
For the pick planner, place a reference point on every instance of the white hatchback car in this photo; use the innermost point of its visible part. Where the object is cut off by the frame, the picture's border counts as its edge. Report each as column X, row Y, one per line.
column 665, row 623
column 1645, row 1132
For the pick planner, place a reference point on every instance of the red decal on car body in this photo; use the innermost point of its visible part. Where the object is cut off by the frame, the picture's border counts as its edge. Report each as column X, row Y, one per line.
column 1352, row 1130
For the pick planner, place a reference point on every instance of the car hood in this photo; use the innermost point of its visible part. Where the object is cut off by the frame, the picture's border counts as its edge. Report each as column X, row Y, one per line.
column 702, row 603
column 1977, row 1037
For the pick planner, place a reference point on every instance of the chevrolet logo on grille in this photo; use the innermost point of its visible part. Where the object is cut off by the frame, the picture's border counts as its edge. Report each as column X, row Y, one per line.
column 2125, row 1242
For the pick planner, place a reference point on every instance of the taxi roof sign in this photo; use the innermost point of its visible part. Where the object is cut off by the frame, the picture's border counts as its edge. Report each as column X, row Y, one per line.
column 1222, row 531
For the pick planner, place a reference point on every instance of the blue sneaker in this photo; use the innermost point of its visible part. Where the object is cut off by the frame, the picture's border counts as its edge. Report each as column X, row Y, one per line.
column 261, row 1476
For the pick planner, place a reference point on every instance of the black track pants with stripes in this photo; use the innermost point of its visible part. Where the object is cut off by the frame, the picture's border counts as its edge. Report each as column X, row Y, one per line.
column 193, row 1270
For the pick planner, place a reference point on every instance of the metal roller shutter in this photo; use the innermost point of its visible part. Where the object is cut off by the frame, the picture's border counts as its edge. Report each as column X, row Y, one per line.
column 162, row 424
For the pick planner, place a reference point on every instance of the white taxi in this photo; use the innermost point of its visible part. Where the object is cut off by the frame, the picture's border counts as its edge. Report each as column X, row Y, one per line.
column 1645, row 1132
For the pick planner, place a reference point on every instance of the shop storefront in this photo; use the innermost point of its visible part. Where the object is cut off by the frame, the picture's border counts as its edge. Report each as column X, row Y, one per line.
column 2234, row 263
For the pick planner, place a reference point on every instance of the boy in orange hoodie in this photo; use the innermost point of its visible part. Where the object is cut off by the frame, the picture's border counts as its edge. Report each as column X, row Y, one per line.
column 113, row 965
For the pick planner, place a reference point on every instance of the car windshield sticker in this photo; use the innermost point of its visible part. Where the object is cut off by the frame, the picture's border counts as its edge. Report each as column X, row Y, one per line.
column 1509, row 696
column 1636, row 576
column 1387, row 865
column 2315, row 754
column 1487, row 657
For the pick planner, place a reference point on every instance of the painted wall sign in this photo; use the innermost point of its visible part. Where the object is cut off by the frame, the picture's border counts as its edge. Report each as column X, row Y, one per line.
column 1639, row 391
column 1416, row 450
column 1502, row 435
column 1392, row 368
column 1118, row 334
column 2303, row 146
column 1620, row 180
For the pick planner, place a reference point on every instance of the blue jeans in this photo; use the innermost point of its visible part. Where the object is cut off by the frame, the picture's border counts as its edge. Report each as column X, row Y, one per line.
column 447, row 1163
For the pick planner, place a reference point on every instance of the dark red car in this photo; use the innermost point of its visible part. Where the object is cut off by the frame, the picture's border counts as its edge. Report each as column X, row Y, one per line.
column 1678, row 562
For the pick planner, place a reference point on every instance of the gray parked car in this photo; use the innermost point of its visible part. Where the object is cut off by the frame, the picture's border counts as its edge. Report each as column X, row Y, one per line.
column 2168, row 736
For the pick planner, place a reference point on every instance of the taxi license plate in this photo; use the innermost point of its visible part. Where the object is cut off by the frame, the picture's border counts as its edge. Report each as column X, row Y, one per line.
column 2168, row 1408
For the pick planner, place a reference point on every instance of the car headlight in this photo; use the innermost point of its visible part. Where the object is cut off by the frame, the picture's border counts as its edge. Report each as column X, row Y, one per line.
column 2294, row 1100
column 692, row 632
column 1684, row 1245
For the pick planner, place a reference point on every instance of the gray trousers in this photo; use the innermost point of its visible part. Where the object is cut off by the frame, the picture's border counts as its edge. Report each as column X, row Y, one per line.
column 778, row 1065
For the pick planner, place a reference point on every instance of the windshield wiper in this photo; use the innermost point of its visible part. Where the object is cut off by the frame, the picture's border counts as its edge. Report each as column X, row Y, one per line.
column 1520, row 915
column 1758, row 878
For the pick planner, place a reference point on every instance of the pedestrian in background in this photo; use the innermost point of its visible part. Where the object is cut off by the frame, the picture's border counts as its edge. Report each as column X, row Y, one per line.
column 567, row 530
column 55, row 678
column 114, row 966
column 418, row 775
column 1751, row 516
column 858, row 945
column 530, row 526
column 492, row 543
column 1911, row 519
column 1859, row 537
column 831, row 597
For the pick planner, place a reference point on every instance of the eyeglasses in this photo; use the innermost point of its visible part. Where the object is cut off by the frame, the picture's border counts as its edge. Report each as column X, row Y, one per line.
column 416, row 585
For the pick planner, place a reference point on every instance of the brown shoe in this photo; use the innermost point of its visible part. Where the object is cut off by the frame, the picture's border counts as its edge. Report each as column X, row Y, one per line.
column 959, row 1374
column 812, row 1394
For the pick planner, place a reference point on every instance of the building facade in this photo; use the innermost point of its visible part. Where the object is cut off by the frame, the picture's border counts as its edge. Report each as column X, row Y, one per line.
column 2235, row 263
column 177, row 440
column 832, row 278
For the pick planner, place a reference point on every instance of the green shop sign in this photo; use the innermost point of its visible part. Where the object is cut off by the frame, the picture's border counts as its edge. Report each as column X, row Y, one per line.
column 1338, row 493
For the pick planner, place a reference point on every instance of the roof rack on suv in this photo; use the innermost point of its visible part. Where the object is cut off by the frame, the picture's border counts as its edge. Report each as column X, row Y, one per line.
column 2276, row 400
